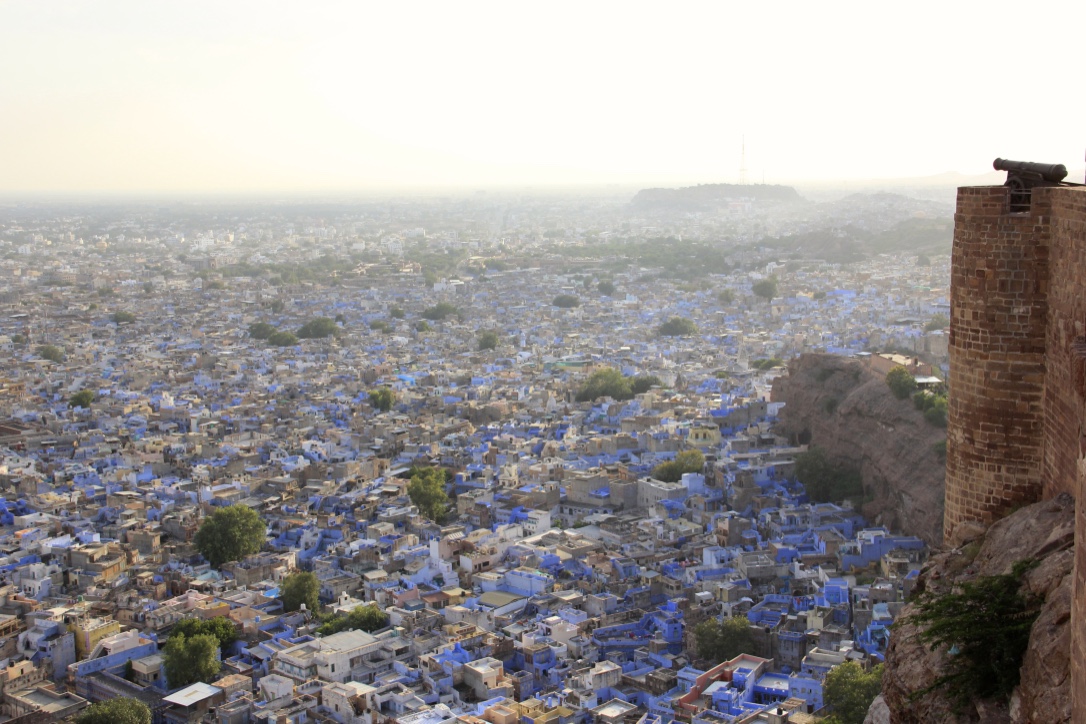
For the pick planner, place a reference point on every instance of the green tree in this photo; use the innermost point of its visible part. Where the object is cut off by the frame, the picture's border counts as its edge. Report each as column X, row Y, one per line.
column 368, row 618
column 677, row 327
column 276, row 305
column 901, row 382
column 83, row 399
column 936, row 413
column 605, row 382
column 379, row 325
column 488, row 340
column 298, row 588
column 282, row 339
column 148, row 287
column 397, row 313
column 230, row 534
column 261, row 330
column 222, row 628
column 725, row 296
column 767, row 363
column 382, row 399
column 50, row 352
column 422, row 326
column 188, row 660
column 427, row 492
column 824, row 481
column 606, row 288
column 120, row 710
column 689, row 461
column 765, row 288
column 644, row 383
column 566, row 301
column 439, row 311
column 938, row 321
column 723, row 640
column 988, row 622
column 849, row 691
column 318, row 328
column 123, row 317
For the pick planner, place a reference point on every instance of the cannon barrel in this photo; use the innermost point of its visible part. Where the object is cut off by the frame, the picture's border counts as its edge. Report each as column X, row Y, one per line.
column 1050, row 172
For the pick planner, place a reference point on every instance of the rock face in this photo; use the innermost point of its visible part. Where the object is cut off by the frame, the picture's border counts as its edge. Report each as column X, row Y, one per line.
column 1045, row 532
column 844, row 407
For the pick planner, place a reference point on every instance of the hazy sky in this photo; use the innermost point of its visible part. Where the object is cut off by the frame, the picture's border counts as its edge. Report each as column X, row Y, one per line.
column 313, row 96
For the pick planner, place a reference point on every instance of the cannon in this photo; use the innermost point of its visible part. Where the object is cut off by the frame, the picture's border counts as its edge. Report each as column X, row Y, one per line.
column 1052, row 173
column 1024, row 176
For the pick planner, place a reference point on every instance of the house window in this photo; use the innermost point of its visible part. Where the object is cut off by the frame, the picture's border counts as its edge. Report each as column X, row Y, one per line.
column 333, row 668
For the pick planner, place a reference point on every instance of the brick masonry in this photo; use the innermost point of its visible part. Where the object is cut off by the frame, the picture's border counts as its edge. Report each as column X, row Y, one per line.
column 1016, row 431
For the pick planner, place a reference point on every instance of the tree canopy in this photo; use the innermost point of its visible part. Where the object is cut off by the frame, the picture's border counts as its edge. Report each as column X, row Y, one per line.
column 566, row 301
column 609, row 382
column 298, row 588
column 439, row 311
column 222, row 628
column 230, row 534
column 644, row 383
column 849, row 691
column 606, row 287
column 50, row 352
column 824, row 481
column 282, row 339
column 723, row 640
column 689, row 461
column 261, row 330
column 427, row 492
column 318, row 328
column 725, row 296
column 382, row 399
column 988, row 620
column 765, row 288
column 119, row 710
column 677, row 327
column 123, row 317
column 938, row 321
column 368, row 618
column 488, row 340
column 83, row 399
column 901, row 382
column 188, row 660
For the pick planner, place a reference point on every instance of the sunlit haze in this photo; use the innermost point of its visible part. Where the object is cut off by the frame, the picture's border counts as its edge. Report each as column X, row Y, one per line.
column 243, row 97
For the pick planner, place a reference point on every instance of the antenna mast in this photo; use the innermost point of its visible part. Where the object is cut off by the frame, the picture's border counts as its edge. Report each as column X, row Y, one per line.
column 743, row 164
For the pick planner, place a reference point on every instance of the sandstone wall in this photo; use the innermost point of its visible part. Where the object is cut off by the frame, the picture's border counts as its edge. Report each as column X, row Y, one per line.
column 998, row 300
column 1017, row 418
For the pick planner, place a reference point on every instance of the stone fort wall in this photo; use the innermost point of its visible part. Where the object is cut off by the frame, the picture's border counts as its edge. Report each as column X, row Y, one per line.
column 1016, row 429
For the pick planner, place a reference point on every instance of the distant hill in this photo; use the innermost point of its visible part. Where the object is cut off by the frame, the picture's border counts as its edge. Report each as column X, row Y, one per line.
column 706, row 197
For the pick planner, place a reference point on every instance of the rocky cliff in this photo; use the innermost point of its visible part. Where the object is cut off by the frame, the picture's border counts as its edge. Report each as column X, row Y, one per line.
column 1043, row 532
column 844, row 407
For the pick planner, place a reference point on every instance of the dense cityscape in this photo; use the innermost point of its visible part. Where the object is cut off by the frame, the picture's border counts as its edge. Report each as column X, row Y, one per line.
column 428, row 461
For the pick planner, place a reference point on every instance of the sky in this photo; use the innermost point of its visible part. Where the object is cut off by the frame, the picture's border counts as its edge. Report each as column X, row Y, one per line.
column 252, row 97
